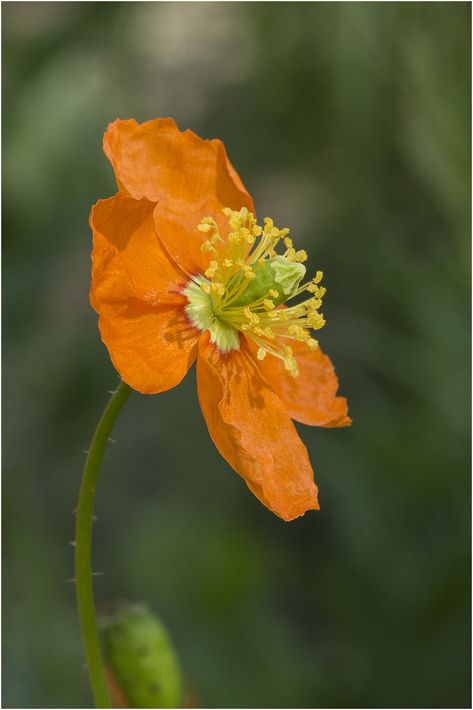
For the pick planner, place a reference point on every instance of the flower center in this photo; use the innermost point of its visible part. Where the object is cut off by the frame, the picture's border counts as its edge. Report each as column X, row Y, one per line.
column 246, row 284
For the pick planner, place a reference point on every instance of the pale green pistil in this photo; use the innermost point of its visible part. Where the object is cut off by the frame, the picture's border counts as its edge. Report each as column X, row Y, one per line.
column 200, row 312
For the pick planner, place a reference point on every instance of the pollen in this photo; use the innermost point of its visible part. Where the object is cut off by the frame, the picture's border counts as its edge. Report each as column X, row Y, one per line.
column 249, row 287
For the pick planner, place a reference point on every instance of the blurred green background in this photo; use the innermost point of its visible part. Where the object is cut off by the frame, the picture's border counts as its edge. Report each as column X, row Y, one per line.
column 350, row 124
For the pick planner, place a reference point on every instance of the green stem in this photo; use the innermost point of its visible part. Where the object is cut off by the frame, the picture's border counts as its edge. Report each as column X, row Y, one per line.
column 84, row 523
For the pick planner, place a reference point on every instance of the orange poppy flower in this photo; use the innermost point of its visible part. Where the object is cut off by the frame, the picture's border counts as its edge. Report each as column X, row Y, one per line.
column 181, row 271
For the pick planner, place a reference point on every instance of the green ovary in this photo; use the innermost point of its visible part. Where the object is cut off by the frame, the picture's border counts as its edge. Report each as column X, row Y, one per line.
column 277, row 274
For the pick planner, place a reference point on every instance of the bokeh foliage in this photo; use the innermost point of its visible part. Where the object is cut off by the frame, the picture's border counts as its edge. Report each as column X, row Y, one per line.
column 349, row 122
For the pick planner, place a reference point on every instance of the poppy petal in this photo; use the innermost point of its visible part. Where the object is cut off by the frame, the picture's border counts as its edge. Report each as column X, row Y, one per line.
column 250, row 427
column 136, row 291
column 151, row 347
column 190, row 178
column 128, row 259
column 310, row 398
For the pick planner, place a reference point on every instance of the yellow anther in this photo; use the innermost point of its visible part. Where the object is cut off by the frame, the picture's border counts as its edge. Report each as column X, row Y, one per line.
column 318, row 277
column 204, row 227
column 288, row 242
column 212, row 270
column 268, row 304
column 252, row 317
column 317, row 291
column 206, row 246
column 313, row 344
column 228, row 263
column 315, row 320
column 297, row 331
column 261, row 354
column 273, row 293
column 300, row 256
column 205, row 287
column 290, row 365
column 313, row 304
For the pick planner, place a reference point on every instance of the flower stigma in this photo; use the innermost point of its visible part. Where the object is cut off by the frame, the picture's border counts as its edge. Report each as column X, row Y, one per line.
column 245, row 285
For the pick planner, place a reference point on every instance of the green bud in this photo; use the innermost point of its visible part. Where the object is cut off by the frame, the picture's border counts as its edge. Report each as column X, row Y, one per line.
column 140, row 655
column 279, row 274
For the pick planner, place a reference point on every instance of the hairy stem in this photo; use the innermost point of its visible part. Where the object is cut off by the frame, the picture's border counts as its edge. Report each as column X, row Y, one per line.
column 84, row 524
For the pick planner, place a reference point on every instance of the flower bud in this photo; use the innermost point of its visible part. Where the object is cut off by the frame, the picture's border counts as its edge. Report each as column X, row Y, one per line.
column 141, row 658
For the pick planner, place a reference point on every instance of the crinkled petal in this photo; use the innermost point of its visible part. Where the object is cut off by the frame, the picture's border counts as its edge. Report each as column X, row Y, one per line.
column 136, row 291
column 310, row 398
column 251, row 429
column 190, row 178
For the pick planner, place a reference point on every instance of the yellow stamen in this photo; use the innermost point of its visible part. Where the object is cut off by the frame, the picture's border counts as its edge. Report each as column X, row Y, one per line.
column 247, row 281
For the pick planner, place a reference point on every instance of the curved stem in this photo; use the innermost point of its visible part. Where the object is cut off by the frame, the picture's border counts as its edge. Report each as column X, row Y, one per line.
column 84, row 523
